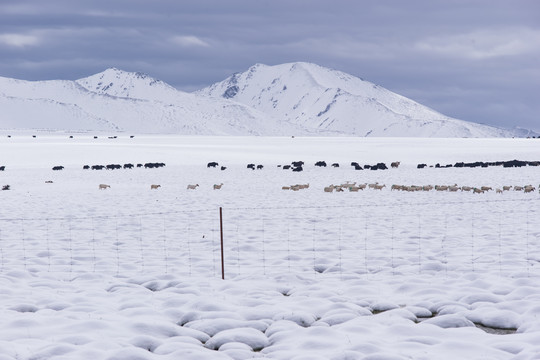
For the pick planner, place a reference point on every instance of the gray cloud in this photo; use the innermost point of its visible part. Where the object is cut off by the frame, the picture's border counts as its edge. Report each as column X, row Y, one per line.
column 475, row 60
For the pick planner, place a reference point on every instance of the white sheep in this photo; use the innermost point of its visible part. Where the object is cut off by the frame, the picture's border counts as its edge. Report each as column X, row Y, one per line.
column 372, row 186
column 329, row 188
column 104, row 186
column 153, row 186
column 218, row 186
column 192, row 187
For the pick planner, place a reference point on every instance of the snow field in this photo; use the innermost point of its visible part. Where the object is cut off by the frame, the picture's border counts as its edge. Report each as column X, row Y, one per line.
column 134, row 273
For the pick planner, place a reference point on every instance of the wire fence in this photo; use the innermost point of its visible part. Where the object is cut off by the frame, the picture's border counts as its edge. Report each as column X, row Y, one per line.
column 500, row 237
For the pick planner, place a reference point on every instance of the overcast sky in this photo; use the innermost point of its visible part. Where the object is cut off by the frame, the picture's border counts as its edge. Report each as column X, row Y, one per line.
column 476, row 60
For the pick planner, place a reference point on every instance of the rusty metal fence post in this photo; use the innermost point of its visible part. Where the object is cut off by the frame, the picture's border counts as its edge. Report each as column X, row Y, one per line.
column 221, row 236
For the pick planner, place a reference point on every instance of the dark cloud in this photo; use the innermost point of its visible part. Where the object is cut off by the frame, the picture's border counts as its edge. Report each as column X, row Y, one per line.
column 475, row 60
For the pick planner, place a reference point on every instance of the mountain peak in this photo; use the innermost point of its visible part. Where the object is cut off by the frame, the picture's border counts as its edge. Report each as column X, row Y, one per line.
column 120, row 83
column 332, row 102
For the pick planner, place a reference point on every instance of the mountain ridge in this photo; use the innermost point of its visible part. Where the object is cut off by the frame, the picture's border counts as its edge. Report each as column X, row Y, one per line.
column 289, row 99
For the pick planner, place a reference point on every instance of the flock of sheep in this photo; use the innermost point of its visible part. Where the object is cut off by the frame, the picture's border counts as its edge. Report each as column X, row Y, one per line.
column 352, row 187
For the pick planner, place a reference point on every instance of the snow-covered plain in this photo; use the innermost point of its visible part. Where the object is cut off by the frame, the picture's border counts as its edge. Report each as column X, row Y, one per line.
column 134, row 273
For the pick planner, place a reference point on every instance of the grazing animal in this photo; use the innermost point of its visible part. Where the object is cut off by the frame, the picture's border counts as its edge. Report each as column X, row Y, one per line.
column 48, row 182
column 329, row 188
column 285, row 188
column 378, row 187
column 259, row 167
column 192, row 187
column 128, row 166
column 86, row 167
column 154, row 187
column 506, row 188
column 336, row 165
column 395, row 164
column 212, row 164
column 218, row 186
column 104, row 186
column 58, row 168
column 421, row 166
column 286, row 167
column 486, row 188
column 223, row 168
column 251, row 166
column 5, row 187
column 297, row 163
column 320, row 163
column 498, row 191
column 153, row 165
column 298, row 169
column 2, row 168
column 478, row 191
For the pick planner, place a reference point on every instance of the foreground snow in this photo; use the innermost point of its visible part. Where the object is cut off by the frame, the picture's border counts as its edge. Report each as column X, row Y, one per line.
column 134, row 273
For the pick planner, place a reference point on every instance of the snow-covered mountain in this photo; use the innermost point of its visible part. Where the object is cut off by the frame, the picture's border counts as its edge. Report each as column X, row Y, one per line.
column 115, row 100
column 332, row 102
column 288, row 99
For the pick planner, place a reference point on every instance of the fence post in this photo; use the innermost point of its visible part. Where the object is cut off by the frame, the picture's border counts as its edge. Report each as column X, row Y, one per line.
column 221, row 236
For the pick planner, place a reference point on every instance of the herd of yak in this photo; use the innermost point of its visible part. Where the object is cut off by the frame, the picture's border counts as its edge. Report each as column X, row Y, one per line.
column 298, row 166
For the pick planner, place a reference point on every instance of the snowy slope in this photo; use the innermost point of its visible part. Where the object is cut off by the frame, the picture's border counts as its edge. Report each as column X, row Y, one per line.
column 115, row 100
column 333, row 102
column 135, row 273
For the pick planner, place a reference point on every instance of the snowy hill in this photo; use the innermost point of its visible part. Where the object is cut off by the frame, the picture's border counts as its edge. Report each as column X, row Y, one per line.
column 332, row 102
column 288, row 99
column 115, row 100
